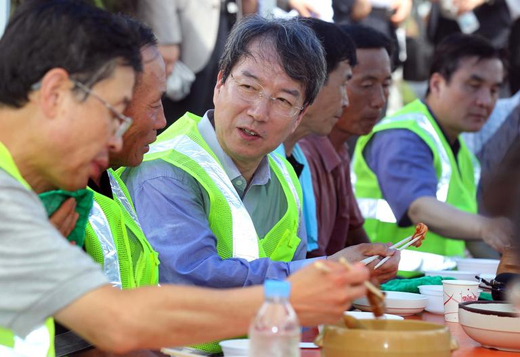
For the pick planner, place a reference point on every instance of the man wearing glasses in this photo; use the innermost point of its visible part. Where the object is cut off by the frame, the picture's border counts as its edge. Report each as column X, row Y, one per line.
column 220, row 210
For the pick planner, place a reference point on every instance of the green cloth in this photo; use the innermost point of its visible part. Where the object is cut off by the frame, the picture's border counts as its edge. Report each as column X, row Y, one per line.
column 412, row 285
column 53, row 200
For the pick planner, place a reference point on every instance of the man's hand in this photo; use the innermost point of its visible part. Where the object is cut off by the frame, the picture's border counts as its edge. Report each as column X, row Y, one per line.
column 360, row 10
column 402, row 10
column 497, row 232
column 170, row 54
column 359, row 252
column 65, row 217
column 322, row 295
column 304, row 8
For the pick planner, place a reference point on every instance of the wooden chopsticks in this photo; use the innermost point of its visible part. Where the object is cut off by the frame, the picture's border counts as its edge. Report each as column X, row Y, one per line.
column 320, row 266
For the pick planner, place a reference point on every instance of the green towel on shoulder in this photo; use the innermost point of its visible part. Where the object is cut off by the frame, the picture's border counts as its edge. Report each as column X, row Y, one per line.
column 53, row 200
column 412, row 285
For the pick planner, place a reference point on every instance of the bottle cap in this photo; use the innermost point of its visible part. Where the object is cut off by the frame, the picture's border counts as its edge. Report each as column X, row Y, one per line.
column 277, row 288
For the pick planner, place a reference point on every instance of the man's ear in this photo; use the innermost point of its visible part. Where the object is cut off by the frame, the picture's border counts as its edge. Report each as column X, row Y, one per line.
column 436, row 82
column 54, row 87
column 299, row 118
column 219, row 85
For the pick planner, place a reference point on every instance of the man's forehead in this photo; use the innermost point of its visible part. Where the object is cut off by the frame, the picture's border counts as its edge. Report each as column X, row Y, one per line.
column 154, row 72
column 479, row 67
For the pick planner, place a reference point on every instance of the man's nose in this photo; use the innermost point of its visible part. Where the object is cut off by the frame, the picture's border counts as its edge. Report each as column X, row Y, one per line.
column 259, row 108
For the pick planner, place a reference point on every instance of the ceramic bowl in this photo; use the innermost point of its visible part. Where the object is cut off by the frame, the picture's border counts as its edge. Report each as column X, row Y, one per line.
column 387, row 338
column 493, row 324
column 397, row 303
column 457, row 274
column 235, row 348
column 435, row 299
column 483, row 266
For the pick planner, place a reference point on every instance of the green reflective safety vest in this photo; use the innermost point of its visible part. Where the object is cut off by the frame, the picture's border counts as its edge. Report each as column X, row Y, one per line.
column 457, row 181
column 40, row 341
column 115, row 240
column 183, row 146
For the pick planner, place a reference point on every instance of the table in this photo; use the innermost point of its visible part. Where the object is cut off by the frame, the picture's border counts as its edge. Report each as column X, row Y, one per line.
column 467, row 346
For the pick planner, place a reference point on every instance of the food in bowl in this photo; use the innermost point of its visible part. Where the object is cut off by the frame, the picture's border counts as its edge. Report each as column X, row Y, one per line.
column 492, row 324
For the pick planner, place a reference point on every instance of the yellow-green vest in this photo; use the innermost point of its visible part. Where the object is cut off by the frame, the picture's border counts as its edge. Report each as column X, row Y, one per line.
column 40, row 341
column 457, row 181
column 115, row 240
column 183, row 146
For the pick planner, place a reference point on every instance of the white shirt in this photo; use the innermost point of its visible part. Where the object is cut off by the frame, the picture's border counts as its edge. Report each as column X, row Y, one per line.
column 4, row 15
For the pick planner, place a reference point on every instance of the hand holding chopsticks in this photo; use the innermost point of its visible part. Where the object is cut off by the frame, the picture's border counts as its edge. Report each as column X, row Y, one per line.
column 375, row 296
column 415, row 240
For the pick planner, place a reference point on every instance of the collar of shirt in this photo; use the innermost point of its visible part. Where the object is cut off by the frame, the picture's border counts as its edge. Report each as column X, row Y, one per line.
column 455, row 147
column 262, row 175
column 331, row 158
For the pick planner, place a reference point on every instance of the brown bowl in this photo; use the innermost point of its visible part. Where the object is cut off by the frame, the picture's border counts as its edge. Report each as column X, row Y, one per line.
column 388, row 338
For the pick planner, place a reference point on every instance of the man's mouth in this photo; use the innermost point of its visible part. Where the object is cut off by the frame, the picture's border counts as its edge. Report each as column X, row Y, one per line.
column 249, row 132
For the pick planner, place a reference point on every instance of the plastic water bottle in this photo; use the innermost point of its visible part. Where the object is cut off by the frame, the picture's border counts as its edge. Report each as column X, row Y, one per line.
column 275, row 331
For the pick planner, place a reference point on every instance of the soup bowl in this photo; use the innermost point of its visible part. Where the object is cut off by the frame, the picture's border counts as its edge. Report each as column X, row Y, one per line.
column 388, row 338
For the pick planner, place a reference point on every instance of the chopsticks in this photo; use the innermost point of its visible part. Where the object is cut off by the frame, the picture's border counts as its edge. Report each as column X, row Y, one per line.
column 383, row 261
column 420, row 233
column 320, row 266
column 369, row 260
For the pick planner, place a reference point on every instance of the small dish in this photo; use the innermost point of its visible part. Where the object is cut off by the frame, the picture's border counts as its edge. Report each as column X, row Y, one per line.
column 397, row 303
column 484, row 266
column 457, row 274
column 364, row 315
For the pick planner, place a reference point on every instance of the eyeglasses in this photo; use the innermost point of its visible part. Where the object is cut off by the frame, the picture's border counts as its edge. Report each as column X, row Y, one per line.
column 124, row 121
column 252, row 92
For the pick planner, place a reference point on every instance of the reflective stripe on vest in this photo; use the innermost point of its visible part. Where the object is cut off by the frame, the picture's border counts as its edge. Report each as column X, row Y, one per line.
column 118, row 192
column 379, row 208
column 36, row 344
column 245, row 238
column 99, row 223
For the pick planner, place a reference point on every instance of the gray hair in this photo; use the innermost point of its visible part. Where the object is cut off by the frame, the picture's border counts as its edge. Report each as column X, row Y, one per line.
column 298, row 49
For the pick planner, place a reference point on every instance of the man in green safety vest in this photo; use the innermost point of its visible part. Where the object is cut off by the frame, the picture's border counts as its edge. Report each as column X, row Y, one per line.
column 414, row 166
column 218, row 207
column 67, row 71
column 114, row 237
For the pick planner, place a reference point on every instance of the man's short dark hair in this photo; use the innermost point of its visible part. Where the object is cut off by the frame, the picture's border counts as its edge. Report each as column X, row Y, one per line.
column 456, row 47
column 338, row 45
column 299, row 51
column 85, row 41
column 145, row 34
column 365, row 37
column 145, row 37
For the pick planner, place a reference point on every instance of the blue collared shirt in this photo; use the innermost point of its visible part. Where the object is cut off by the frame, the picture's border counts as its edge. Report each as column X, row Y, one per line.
column 173, row 211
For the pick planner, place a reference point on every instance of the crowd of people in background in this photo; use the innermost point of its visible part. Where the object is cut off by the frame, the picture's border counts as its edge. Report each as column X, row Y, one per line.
column 184, row 152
